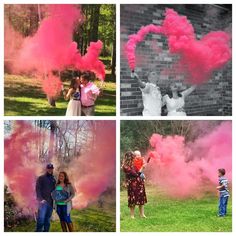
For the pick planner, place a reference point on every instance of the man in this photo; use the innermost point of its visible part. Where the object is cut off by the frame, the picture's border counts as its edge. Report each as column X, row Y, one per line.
column 152, row 99
column 89, row 93
column 44, row 186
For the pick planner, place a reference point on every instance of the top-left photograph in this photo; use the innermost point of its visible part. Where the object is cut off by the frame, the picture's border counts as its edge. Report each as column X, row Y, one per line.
column 59, row 60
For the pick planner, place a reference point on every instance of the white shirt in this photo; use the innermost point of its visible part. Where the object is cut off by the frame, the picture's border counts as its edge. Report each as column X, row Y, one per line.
column 151, row 100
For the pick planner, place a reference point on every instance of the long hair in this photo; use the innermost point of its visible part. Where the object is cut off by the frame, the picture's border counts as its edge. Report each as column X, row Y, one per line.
column 73, row 83
column 66, row 181
column 128, row 159
column 169, row 92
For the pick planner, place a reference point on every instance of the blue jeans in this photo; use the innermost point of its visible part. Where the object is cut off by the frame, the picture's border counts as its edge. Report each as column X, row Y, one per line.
column 44, row 217
column 223, row 201
column 62, row 213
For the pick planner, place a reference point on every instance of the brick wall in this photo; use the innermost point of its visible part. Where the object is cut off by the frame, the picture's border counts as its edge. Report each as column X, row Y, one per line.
column 213, row 98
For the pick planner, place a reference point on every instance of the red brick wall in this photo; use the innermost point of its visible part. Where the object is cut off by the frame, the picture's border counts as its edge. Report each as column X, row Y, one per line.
column 212, row 98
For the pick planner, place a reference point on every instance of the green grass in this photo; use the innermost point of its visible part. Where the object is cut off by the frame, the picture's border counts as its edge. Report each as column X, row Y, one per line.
column 169, row 215
column 23, row 97
column 92, row 219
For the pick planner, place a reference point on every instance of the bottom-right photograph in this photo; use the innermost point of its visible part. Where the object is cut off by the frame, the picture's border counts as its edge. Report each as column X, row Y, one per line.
column 176, row 176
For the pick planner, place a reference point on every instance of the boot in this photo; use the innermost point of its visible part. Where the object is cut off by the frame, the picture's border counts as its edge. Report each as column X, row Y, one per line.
column 63, row 226
column 70, row 227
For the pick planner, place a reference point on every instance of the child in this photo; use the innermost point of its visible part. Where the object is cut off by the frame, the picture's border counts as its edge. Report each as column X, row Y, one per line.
column 139, row 163
column 224, row 192
column 89, row 93
column 151, row 94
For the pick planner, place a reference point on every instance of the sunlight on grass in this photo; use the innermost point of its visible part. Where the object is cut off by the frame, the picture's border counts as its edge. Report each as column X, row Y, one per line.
column 92, row 219
column 169, row 215
column 23, row 97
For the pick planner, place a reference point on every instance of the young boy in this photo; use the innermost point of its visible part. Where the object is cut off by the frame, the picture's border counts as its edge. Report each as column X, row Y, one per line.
column 139, row 163
column 152, row 99
column 223, row 191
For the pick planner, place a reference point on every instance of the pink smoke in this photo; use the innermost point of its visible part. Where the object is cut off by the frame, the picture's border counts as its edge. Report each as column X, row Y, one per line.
column 95, row 171
column 52, row 85
column 21, row 165
column 52, row 46
column 90, row 61
column 183, row 169
column 197, row 58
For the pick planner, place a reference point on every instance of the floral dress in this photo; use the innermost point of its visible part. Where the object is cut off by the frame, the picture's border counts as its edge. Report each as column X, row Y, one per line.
column 135, row 187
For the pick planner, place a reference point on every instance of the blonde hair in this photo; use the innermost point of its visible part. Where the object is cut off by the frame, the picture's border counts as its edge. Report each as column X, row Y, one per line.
column 137, row 153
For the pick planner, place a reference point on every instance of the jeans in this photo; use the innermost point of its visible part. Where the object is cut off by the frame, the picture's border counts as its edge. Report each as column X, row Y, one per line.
column 44, row 217
column 223, row 201
column 62, row 213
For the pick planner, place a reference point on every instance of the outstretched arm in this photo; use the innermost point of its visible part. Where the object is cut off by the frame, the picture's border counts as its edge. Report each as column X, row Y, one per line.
column 140, row 82
column 188, row 91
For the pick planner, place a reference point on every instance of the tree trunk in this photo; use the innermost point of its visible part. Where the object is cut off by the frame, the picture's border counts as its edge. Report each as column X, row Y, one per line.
column 94, row 23
column 113, row 60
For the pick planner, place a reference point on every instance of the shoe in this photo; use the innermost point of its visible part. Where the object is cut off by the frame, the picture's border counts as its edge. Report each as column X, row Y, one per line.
column 221, row 215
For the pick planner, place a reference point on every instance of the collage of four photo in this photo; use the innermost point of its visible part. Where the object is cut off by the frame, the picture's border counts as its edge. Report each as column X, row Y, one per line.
column 86, row 148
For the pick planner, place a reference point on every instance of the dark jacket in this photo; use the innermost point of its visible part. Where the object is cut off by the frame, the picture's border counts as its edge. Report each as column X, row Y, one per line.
column 44, row 186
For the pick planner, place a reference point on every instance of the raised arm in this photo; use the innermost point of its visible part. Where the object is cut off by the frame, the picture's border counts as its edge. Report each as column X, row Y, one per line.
column 68, row 94
column 188, row 91
column 140, row 82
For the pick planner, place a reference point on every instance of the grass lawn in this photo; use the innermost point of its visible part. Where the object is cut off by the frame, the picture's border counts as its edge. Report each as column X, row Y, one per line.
column 168, row 215
column 92, row 219
column 23, row 97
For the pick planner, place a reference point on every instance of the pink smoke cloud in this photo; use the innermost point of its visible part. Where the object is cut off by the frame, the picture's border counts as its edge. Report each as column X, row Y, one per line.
column 198, row 58
column 21, row 165
column 95, row 171
column 52, row 85
column 182, row 169
column 52, row 46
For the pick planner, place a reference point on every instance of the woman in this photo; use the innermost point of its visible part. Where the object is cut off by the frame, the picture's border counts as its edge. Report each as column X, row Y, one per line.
column 74, row 94
column 175, row 102
column 135, row 186
column 63, row 207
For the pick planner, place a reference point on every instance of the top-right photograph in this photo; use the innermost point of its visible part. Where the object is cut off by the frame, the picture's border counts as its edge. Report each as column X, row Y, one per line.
column 176, row 60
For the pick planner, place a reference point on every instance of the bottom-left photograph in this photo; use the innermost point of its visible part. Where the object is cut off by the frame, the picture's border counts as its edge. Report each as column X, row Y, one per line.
column 59, row 176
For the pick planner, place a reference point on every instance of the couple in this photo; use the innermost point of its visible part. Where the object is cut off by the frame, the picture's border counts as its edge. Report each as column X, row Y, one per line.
column 54, row 194
column 82, row 94
column 153, row 100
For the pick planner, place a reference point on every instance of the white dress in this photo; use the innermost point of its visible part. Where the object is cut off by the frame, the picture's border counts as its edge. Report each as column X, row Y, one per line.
column 74, row 105
column 175, row 106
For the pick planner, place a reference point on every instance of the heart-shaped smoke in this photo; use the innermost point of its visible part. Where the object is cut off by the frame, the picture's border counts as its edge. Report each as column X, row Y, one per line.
column 197, row 58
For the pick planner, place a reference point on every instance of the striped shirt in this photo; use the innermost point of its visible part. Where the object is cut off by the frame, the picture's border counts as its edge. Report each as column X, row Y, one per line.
column 224, row 192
